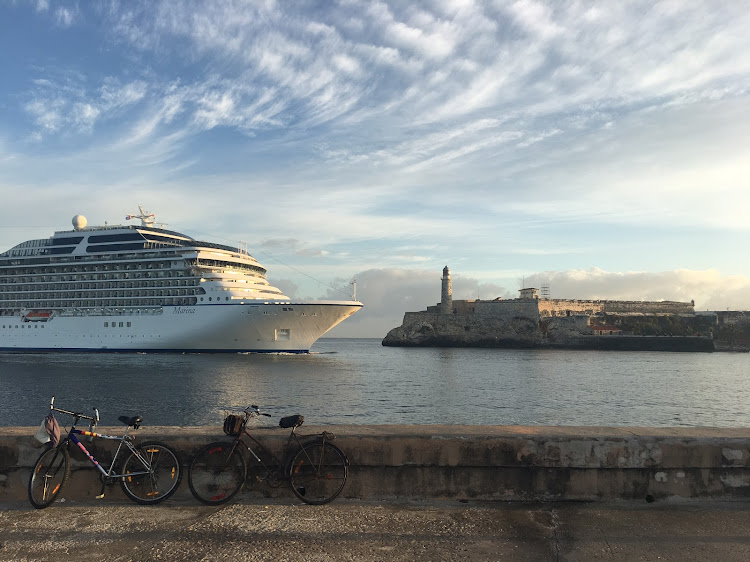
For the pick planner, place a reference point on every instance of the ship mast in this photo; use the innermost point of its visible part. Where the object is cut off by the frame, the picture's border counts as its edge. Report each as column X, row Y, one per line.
column 147, row 219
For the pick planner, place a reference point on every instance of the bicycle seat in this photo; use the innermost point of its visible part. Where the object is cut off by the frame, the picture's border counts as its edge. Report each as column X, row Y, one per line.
column 291, row 421
column 135, row 421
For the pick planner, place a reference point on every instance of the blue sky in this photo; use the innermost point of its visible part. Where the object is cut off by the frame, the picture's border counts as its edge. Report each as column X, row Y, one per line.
column 599, row 147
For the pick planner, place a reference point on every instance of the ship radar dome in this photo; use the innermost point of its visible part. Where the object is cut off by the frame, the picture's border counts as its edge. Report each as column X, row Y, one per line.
column 79, row 222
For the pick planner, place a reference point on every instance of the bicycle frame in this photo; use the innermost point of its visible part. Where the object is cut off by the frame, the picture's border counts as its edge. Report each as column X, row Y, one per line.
column 281, row 467
column 125, row 439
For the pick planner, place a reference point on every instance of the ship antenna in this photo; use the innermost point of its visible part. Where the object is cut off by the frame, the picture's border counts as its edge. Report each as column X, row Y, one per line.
column 354, row 289
column 147, row 219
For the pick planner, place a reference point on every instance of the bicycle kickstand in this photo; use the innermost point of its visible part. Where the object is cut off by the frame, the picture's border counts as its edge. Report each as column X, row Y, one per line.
column 101, row 495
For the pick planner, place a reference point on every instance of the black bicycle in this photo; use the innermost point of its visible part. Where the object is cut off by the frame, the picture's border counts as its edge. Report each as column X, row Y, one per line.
column 316, row 469
column 148, row 475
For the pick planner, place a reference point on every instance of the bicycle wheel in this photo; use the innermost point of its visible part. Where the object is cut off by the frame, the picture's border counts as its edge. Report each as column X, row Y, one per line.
column 217, row 472
column 50, row 472
column 151, row 475
column 318, row 473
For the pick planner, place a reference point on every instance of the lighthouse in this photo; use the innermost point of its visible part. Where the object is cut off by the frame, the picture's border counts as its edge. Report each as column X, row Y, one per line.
column 446, row 296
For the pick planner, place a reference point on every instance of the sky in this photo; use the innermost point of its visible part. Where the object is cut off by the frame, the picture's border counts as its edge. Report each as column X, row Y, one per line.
column 599, row 148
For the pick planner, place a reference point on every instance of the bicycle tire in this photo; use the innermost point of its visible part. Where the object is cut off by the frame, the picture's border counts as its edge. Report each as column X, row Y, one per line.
column 161, row 478
column 318, row 473
column 50, row 472
column 217, row 472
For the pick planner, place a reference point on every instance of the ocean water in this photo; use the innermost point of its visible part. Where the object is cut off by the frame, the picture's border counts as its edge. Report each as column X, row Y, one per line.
column 361, row 382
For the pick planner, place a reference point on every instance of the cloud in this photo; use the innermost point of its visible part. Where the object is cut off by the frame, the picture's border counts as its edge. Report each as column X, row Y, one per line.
column 62, row 102
column 708, row 288
column 371, row 136
column 65, row 16
column 388, row 293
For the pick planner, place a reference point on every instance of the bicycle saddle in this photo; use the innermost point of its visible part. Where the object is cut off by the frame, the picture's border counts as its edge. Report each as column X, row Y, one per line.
column 292, row 421
column 135, row 421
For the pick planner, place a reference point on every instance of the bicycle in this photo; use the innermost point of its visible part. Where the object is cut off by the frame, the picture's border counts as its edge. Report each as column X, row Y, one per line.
column 316, row 470
column 149, row 475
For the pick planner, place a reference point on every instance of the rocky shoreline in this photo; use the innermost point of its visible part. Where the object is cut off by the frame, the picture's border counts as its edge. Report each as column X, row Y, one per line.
column 456, row 330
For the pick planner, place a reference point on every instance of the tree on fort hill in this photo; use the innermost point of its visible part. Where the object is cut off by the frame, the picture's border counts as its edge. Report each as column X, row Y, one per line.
column 668, row 325
column 733, row 333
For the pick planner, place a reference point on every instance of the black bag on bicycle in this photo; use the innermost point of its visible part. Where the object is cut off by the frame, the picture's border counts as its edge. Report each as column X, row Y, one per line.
column 233, row 425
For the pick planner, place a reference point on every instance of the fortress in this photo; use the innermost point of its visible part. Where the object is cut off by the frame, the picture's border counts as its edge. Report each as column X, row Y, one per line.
column 529, row 303
column 533, row 322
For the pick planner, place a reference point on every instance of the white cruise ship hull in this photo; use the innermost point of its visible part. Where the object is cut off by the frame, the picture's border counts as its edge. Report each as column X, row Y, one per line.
column 283, row 326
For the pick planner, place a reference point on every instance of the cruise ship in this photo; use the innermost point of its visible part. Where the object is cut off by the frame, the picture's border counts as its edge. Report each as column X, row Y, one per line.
column 146, row 288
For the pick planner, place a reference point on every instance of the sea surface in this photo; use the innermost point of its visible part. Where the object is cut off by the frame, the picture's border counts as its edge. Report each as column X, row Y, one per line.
column 358, row 381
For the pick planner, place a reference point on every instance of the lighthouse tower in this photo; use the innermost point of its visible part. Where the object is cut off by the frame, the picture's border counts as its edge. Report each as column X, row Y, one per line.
column 446, row 296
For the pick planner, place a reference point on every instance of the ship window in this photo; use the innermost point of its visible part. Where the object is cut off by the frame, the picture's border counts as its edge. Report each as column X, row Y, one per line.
column 282, row 334
column 66, row 241
column 120, row 324
column 209, row 299
column 114, row 238
column 106, row 324
column 128, row 324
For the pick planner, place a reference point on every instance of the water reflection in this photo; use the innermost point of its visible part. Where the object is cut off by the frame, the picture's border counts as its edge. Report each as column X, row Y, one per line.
column 361, row 382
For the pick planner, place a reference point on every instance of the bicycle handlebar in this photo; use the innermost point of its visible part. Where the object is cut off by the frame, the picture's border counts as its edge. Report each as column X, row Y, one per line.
column 254, row 410
column 94, row 418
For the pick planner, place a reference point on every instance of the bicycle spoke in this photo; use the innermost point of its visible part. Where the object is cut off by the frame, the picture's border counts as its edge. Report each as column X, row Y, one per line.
column 318, row 473
column 49, row 474
column 217, row 472
column 151, row 475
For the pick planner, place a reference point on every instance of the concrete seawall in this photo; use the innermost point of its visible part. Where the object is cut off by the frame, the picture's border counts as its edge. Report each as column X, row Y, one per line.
column 466, row 462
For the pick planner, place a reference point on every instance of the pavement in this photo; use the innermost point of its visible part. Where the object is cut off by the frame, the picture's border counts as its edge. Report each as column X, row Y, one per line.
column 282, row 529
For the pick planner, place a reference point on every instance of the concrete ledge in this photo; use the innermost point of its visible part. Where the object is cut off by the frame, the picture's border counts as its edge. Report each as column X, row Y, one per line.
column 453, row 461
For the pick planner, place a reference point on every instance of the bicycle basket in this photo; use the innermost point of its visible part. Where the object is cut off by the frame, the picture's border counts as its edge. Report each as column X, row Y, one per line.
column 233, row 425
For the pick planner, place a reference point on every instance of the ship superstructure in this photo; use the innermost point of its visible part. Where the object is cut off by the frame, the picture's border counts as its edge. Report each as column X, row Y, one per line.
column 146, row 288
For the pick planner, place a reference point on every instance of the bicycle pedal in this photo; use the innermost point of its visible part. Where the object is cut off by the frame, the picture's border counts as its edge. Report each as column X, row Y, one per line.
column 100, row 496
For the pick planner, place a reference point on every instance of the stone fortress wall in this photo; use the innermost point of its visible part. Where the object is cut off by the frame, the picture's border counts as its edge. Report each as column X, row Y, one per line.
column 530, row 321
column 533, row 306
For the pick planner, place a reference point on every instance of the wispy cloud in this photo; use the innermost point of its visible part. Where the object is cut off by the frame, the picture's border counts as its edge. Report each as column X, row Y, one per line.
column 533, row 134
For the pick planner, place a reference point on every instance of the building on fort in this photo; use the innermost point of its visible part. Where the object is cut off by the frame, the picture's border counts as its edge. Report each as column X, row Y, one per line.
column 529, row 303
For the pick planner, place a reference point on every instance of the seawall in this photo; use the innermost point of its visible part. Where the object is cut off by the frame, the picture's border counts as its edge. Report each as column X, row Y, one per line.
column 471, row 462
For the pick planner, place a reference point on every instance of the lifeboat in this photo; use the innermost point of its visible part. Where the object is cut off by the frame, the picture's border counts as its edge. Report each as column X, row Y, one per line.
column 37, row 316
